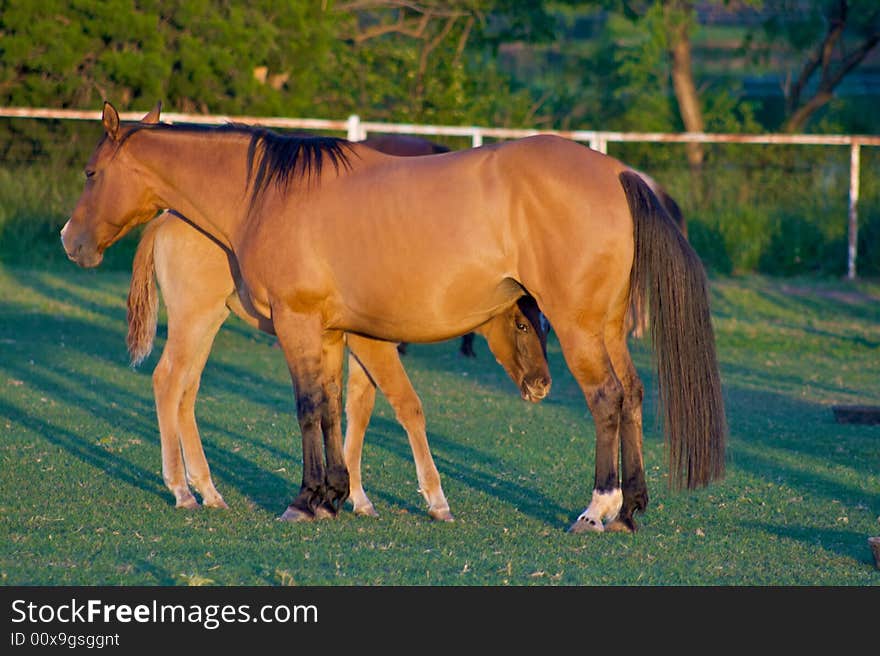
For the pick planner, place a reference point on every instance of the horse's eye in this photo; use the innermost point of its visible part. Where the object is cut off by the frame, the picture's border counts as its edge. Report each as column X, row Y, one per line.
column 521, row 327
column 90, row 173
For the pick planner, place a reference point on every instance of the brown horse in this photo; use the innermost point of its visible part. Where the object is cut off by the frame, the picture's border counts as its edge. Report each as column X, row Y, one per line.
column 332, row 237
column 404, row 145
column 198, row 283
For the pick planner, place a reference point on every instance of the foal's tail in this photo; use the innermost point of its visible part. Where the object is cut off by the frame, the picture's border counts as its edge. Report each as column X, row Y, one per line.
column 143, row 300
column 668, row 272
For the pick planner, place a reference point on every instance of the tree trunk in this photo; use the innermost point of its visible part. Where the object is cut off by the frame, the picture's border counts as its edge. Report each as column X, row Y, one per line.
column 679, row 15
column 686, row 91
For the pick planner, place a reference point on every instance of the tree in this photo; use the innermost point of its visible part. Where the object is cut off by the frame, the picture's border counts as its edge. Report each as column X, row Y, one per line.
column 429, row 60
column 831, row 39
column 194, row 55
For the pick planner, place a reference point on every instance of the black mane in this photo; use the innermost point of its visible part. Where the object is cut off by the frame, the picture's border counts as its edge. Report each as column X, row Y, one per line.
column 272, row 157
column 275, row 158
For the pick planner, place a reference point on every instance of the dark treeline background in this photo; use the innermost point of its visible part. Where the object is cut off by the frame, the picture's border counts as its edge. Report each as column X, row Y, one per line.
column 651, row 65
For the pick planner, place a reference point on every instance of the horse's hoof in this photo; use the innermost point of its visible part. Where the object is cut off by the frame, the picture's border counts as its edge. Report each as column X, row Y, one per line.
column 216, row 503
column 621, row 526
column 293, row 514
column 441, row 514
column 187, row 503
column 586, row 525
column 324, row 512
column 366, row 510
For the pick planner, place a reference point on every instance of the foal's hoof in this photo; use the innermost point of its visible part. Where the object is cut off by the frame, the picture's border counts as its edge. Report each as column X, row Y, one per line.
column 187, row 503
column 365, row 510
column 294, row 514
column 441, row 514
column 215, row 503
column 586, row 525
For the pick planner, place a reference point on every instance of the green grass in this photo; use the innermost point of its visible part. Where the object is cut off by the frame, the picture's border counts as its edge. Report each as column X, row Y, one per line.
column 82, row 500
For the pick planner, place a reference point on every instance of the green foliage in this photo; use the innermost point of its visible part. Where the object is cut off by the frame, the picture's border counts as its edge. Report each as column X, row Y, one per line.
column 77, row 54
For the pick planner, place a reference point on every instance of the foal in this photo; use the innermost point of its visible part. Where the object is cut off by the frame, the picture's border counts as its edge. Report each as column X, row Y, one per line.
column 198, row 283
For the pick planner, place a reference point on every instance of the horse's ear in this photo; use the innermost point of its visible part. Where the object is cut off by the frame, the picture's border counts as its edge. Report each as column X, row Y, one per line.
column 110, row 119
column 153, row 115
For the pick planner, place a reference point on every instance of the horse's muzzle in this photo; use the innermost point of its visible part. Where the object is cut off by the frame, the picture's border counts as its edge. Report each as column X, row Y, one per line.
column 535, row 390
column 84, row 255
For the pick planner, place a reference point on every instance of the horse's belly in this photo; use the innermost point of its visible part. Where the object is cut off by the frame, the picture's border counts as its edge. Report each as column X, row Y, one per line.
column 425, row 314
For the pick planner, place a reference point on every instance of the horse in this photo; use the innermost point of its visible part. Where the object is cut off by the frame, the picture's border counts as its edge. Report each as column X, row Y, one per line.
column 332, row 237
column 404, row 145
column 197, row 279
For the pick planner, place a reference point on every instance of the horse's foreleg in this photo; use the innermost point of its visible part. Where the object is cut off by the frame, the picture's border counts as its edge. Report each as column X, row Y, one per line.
column 384, row 366
column 336, row 487
column 300, row 337
column 589, row 362
column 360, row 398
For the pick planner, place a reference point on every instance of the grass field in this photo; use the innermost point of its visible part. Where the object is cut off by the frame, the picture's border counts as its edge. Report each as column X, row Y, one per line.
column 82, row 500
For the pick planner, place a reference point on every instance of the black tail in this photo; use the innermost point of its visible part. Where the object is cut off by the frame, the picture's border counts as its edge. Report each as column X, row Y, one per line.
column 669, row 274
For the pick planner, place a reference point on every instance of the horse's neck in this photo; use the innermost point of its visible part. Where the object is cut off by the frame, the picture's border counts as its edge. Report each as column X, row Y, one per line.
column 203, row 178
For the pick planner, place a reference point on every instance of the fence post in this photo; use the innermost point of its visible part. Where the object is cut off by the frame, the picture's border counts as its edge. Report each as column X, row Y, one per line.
column 476, row 138
column 353, row 126
column 854, row 156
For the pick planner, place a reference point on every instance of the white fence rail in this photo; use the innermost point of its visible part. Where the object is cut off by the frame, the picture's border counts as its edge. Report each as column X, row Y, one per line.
column 357, row 130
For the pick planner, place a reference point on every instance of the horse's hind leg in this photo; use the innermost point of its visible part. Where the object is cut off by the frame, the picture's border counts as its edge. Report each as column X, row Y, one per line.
column 167, row 392
column 360, row 398
column 589, row 361
column 198, row 473
column 175, row 383
column 635, row 489
column 383, row 365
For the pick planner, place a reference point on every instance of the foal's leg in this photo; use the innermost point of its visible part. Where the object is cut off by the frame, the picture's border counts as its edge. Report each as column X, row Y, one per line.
column 167, row 392
column 589, row 362
column 360, row 398
column 197, row 471
column 318, row 408
column 380, row 359
column 175, row 384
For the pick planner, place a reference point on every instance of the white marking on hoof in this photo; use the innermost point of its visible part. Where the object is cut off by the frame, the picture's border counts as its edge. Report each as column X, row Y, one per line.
column 604, row 507
column 586, row 525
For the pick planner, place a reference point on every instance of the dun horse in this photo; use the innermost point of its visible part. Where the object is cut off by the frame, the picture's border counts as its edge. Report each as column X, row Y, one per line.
column 198, row 283
column 404, row 145
column 331, row 238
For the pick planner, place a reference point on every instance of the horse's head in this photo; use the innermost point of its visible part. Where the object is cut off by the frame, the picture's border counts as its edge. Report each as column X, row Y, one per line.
column 518, row 340
column 114, row 199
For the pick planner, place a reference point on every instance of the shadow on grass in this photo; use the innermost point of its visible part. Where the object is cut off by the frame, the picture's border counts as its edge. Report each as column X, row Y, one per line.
column 770, row 422
column 848, row 544
column 91, row 454
column 472, row 467
column 66, row 360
